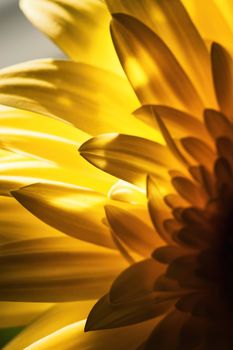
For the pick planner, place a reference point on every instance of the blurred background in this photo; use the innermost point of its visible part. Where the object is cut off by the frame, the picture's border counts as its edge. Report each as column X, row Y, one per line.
column 19, row 40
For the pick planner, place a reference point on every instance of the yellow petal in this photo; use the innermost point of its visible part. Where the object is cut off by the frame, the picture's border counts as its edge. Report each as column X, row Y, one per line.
column 79, row 28
column 179, row 123
column 40, row 136
column 226, row 8
column 151, row 67
column 56, row 269
column 18, row 224
column 68, row 90
column 126, row 289
column 199, row 150
column 134, row 232
column 126, row 192
column 190, row 191
column 128, row 157
column 203, row 13
column 159, row 212
column 171, row 22
column 50, row 141
column 218, row 124
column 76, row 211
column 13, row 314
column 222, row 66
column 17, row 170
column 73, row 337
column 55, row 318
column 106, row 315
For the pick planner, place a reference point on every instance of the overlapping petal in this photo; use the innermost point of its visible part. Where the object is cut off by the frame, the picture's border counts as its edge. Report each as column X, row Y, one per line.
column 170, row 21
column 61, row 269
column 67, row 90
column 80, row 210
column 50, row 321
column 151, row 67
column 73, row 337
column 128, row 157
column 80, row 29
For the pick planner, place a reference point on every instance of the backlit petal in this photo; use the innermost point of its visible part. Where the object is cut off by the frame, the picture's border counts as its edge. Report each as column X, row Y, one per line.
column 56, row 269
column 151, row 67
column 127, row 157
column 80, row 210
column 79, row 28
column 67, row 90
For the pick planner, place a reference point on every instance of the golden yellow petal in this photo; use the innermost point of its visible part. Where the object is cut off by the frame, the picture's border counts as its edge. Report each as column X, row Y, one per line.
column 128, row 157
column 68, row 90
column 126, row 287
column 80, row 210
column 133, row 231
column 126, row 192
column 18, row 224
column 80, row 28
column 39, row 136
column 47, row 139
column 73, row 337
column 171, row 22
column 199, row 150
column 222, row 67
column 190, row 191
column 51, row 321
column 159, row 212
column 218, row 125
column 13, row 314
column 226, row 8
column 17, row 170
column 179, row 123
column 151, row 67
column 212, row 20
column 56, row 269
column 106, row 315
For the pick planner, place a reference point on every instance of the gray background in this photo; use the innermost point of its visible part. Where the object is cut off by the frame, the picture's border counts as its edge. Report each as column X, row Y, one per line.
column 19, row 40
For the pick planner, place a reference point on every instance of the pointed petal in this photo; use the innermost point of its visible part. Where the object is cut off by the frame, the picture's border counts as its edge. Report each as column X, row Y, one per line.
column 179, row 123
column 222, row 67
column 19, row 224
column 189, row 191
column 13, row 314
column 135, row 233
column 106, row 316
column 170, row 21
column 158, row 210
column 76, row 211
column 17, row 170
column 128, row 157
column 171, row 144
column 32, row 270
column 73, row 337
column 29, row 135
column 80, row 29
column 67, row 90
column 151, row 67
column 217, row 124
column 126, row 192
column 55, row 318
column 126, row 289
column 202, row 14
column 199, row 150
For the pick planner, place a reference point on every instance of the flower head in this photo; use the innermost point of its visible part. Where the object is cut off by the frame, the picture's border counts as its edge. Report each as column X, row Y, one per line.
column 176, row 150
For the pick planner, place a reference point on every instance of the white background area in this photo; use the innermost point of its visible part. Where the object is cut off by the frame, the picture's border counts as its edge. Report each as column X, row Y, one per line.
column 19, row 40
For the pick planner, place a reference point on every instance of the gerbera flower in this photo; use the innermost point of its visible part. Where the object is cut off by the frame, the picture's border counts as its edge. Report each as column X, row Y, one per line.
column 176, row 294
